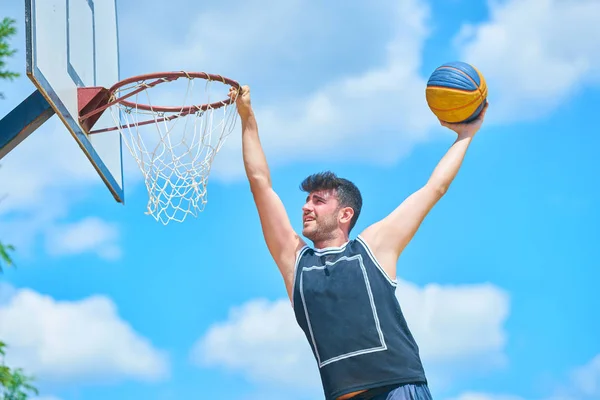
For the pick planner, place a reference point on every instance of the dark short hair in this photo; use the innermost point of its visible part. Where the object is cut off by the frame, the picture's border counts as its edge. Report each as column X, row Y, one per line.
column 347, row 193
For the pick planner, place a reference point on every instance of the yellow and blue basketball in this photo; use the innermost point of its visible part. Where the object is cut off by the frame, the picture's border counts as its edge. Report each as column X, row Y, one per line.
column 456, row 92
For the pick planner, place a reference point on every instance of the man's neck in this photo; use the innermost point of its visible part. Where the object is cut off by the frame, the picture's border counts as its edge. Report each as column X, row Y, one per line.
column 333, row 242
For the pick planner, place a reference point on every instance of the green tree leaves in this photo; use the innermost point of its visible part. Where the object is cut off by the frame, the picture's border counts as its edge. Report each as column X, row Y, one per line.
column 14, row 384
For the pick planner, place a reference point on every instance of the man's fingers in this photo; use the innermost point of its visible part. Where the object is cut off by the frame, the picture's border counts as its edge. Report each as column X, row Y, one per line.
column 484, row 109
column 232, row 92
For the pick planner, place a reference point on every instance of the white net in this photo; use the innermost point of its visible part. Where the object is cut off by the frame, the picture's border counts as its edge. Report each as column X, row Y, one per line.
column 175, row 151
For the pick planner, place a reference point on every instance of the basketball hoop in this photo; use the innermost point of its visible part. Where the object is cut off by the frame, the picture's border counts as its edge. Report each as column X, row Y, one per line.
column 174, row 146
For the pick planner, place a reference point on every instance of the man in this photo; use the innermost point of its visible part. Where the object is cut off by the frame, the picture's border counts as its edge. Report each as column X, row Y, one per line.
column 342, row 290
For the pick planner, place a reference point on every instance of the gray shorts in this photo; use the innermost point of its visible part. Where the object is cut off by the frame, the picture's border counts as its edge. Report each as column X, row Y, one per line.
column 404, row 392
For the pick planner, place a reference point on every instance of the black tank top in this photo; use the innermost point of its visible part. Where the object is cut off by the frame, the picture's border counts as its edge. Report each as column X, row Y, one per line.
column 346, row 305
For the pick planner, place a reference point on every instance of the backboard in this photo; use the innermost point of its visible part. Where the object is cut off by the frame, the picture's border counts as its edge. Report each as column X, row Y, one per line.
column 73, row 44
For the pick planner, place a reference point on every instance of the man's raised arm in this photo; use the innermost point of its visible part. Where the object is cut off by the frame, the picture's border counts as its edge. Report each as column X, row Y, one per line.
column 388, row 237
column 282, row 241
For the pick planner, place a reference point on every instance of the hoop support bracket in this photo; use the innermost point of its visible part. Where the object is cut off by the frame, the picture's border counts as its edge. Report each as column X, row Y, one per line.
column 88, row 100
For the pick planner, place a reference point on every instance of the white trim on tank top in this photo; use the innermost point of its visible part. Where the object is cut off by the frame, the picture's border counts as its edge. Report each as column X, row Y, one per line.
column 298, row 257
column 383, row 346
column 339, row 249
column 392, row 281
column 318, row 252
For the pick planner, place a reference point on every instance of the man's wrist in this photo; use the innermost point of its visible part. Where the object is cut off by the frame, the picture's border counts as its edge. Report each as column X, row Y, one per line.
column 246, row 114
column 466, row 134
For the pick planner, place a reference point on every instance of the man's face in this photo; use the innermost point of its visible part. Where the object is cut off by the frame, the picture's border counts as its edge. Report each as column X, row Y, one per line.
column 320, row 215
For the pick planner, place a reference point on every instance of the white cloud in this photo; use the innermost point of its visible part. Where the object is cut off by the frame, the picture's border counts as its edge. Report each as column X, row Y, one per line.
column 456, row 323
column 225, row 39
column 586, row 379
column 39, row 171
column 375, row 113
column 583, row 383
column 261, row 339
column 371, row 108
column 376, row 116
column 88, row 235
column 75, row 340
column 456, row 327
column 535, row 54
column 43, row 178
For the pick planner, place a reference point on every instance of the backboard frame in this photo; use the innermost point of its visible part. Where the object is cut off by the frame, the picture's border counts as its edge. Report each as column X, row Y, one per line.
column 36, row 75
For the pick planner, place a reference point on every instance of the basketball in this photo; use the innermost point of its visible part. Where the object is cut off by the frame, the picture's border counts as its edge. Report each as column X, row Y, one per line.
column 456, row 92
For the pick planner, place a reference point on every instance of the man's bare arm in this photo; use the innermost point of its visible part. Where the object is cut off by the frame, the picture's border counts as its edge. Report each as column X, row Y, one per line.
column 282, row 241
column 388, row 237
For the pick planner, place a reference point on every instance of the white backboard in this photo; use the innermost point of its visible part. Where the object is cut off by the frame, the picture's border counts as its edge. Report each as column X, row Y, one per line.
column 72, row 44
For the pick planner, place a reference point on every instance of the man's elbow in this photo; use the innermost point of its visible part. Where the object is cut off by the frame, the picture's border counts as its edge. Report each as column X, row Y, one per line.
column 439, row 189
column 259, row 182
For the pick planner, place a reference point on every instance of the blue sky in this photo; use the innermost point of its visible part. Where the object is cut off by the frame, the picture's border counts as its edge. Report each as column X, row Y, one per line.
column 498, row 284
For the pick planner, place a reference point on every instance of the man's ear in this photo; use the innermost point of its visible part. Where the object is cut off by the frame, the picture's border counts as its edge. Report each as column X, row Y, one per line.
column 346, row 214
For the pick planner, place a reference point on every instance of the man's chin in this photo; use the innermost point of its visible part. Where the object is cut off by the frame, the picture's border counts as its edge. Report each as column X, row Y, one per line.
column 308, row 233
